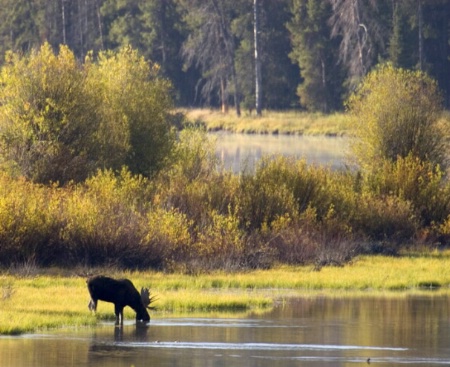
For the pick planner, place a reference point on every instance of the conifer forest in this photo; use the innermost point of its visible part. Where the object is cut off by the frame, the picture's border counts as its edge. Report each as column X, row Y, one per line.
column 309, row 54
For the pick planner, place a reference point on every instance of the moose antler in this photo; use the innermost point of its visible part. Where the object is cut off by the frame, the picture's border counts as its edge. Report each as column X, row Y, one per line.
column 147, row 299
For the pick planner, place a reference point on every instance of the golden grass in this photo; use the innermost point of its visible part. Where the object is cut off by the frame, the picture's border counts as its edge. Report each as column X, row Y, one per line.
column 405, row 272
column 279, row 122
column 52, row 301
column 43, row 302
column 282, row 122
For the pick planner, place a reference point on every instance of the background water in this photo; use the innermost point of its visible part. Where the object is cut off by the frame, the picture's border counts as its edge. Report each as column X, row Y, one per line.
column 239, row 151
column 313, row 331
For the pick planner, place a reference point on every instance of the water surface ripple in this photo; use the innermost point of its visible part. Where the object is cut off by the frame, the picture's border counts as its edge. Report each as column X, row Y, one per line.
column 312, row 331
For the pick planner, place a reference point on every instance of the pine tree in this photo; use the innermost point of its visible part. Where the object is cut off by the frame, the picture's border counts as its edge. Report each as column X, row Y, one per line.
column 18, row 28
column 211, row 47
column 315, row 54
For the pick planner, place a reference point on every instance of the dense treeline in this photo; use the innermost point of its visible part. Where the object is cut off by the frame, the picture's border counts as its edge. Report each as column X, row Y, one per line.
column 312, row 53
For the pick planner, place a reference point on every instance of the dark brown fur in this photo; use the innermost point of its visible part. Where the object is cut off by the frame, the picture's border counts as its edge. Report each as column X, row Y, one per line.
column 121, row 292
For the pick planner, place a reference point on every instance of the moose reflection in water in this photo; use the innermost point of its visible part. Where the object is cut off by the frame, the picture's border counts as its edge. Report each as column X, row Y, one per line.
column 122, row 293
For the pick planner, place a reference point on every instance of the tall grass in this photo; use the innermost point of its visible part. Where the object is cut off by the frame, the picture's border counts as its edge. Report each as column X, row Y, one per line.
column 42, row 301
column 385, row 273
column 272, row 122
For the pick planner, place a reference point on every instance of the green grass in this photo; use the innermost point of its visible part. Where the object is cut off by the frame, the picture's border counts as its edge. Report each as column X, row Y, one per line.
column 273, row 122
column 42, row 302
column 406, row 272
column 48, row 301
column 280, row 122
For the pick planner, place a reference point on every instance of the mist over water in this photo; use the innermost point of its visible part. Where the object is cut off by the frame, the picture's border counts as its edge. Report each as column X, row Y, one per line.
column 243, row 151
column 313, row 331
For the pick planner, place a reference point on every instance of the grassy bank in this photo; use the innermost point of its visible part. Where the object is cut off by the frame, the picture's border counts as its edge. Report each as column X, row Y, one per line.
column 278, row 122
column 40, row 300
column 272, row 122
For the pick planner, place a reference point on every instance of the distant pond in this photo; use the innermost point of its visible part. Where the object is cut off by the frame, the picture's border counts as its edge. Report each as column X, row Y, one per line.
column 243, row 151
column 317, row 331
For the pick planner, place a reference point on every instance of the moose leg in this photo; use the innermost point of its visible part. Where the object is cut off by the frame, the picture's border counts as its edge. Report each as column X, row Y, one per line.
column 118, row 310
column 92, row 305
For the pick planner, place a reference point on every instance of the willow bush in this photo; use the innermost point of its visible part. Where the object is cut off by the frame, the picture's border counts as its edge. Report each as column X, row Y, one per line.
column 61, row 120
column 103, row 219
column 420, row 183
column 396, row 113
column 135, row 104
column 286, row 212
column 169, row 237
column 48, row 116
column 29, row 228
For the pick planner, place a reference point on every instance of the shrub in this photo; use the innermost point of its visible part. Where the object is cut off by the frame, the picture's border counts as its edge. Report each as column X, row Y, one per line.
column 219, row 243
column 278, row 187
column 396, row 114
column 48, row 118
column 168, row 239
column 194, row 155
column 193, row 184
column 61, row 120
column 420, row 183
column 29, row 229
column 308, row 240
column 135, row 103
column 385, row 219
column 104, row 221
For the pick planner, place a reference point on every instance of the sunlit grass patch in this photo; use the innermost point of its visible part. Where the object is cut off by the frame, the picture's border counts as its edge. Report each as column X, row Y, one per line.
column 406, row 272
column 42, row 302
column 38, row 304
column 272, row 122
column 208, row 301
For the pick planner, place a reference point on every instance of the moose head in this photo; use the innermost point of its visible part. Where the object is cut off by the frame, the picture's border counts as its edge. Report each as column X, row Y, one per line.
column 122, row 293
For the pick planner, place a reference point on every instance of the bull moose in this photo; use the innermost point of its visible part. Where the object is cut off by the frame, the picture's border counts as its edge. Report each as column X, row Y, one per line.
column 122, row 293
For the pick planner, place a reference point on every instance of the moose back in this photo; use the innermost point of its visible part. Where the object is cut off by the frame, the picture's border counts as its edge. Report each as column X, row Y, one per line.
column 122, row 293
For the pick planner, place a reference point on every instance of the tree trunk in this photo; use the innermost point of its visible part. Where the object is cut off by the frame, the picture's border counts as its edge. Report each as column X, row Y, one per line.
column 420, row 16
column 258, row 78
column 100, row 26
column 223, row 96
column 63, row 17
column 236, row 90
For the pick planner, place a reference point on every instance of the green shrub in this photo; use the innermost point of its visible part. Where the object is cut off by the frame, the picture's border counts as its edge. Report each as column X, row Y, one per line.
column 61, row 120
column 306, row 239
column 194, row 184
column 396, row 114
column 48, row 118
column 420, row 183
column 219, row 243
column 29, row 229
column 194, row 155
column 135, row 108
column 386, row 219
column 280, row 186
column 104, row 220
column 168, row 239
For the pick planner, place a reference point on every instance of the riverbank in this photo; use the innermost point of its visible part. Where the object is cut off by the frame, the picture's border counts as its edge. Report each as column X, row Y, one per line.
column 272, row 122
column 279, row 122
column 34, row 299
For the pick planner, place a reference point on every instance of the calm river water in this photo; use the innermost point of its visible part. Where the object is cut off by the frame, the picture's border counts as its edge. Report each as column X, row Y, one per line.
column 313, row 331
column 242, row 151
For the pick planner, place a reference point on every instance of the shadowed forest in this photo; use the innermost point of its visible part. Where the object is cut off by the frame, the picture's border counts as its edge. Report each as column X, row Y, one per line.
column 311, row 53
